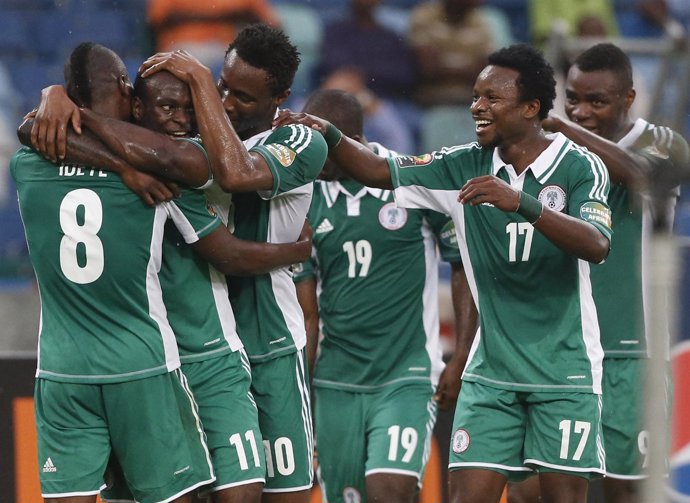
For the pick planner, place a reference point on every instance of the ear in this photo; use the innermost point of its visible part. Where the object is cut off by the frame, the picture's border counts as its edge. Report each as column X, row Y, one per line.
column 630, row 98
column 280, row 98
column 137, row 109
column 124, row 85
column 532, row 108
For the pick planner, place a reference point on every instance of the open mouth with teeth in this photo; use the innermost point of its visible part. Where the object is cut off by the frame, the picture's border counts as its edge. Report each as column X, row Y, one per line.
column 178, row 134
column 482, row 123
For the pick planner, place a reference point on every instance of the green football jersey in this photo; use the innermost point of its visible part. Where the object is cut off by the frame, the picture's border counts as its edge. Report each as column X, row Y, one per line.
column 378, row 287
column 538, row 323
column 618, row 284
column 96, row 251
column 269, row 318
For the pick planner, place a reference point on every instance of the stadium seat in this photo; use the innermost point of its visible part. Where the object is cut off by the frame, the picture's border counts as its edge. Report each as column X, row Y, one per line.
column 305, row 28
column 15, row 40
column 59, row 31
column 446, row 126
column 394, row 18
column 516, row 12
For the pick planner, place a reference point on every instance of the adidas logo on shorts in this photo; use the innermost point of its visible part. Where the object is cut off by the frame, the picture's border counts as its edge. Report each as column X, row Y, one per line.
column 48, row 466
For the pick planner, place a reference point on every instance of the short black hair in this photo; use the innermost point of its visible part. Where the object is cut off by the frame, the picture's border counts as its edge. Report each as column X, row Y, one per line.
column 89, row 73
column 268, row 49
column 607, row 56
column 340, row 108
column 536, row 79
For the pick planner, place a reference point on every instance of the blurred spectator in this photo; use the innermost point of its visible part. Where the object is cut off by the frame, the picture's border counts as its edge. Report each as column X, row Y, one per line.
column 451, row 40
column 204, row 28
column 360, row 43
column 382, row 122
column 581, row 18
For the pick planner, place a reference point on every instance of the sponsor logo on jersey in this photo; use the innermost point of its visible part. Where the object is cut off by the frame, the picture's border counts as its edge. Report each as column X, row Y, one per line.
column 553, row 197
column 461, row 441
column 351, row 495
column 49, row 467
column 409, row 161
column 285, row 155
column 391, row 217
column 448, row 235
column 596, row 213
column 324, row 227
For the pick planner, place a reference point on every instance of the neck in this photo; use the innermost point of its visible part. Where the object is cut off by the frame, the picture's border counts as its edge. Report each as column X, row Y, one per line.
column 524, row 151
column 623, row 129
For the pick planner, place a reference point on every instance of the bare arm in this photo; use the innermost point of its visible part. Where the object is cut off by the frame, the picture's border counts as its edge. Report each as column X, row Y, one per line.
column 360, row 162
column 86, row 150
column 623, row 166
column 306, row 295
column 570, row 234
column 466, row 322
column 237, row 257
column 234, row 168
column 150, row 151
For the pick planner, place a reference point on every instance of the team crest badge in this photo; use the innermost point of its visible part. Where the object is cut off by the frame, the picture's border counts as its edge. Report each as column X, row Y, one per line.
column 351, row 495
column 391, row 217
column 461, row 441
column 211, row 210
column 553, row 197
column 285, row 155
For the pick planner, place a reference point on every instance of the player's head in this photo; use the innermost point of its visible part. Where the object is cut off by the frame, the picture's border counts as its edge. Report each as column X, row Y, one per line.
column 599, row 91
column 96, row 78
column 163, row 103
column 344, row 111
column 259, row 67
column 514, row 92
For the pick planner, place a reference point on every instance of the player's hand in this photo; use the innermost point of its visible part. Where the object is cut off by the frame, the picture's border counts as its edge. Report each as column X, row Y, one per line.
column 181, row 64
column 490, row 189
column 54, row 114
column 449, row 384
column 150, row 189
column 304, row 241
column 287, row 116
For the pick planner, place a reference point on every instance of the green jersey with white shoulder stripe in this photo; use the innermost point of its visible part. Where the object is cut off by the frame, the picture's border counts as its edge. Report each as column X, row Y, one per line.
column 196, row 297
column 377, row 267
column 96, row 251
column 270, row 322
column 618, row 284
column 538, row 324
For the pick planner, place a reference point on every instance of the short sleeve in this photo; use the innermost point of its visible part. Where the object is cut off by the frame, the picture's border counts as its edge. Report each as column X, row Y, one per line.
column 444, row 229
column 192, row 215
column 295, row 154
column 304, row 270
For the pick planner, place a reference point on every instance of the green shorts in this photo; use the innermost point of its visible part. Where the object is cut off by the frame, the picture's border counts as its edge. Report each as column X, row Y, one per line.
column 622, row 418
column 230, row 418
column 150, row 425
column 281, row 390
column 517, row 433
column 360, row 434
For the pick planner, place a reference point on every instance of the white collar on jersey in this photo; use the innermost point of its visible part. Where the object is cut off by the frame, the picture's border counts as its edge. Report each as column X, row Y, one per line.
column 638, row 128
column 544, row 165
column 331, row 190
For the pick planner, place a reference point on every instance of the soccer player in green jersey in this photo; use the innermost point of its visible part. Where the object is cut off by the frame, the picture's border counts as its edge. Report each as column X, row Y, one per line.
column 599, row 93
column 199, row 313
column 532, row 215
column 105, row 342
column 380, row 358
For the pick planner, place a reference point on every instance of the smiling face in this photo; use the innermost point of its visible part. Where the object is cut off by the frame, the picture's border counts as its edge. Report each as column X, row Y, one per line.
column 498, row 111
column 247, row 97
column 164, row 104
column 598, row 102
